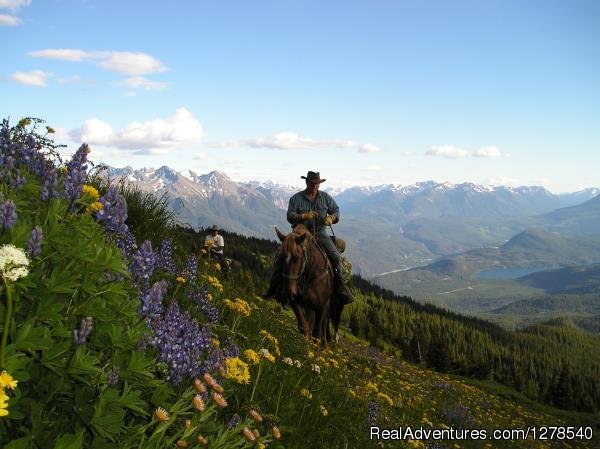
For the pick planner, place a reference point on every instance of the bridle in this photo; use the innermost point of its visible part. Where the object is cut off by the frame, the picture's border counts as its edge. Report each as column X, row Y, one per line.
column 295, row 277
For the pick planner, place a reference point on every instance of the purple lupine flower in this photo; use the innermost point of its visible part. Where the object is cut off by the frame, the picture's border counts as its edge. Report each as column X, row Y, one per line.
column 34, row 246
column 113, row 377
column 143, row 264
column 151, row 302
column 181, row 343
column 114, row 211
column 76, row 173
column 373, row 413
column 126, row 243
column 85, row 327
column 234, row 421
column 49, row 181
column 8, row 214
column 191, row 269
column 165, row 257
column 200, row 298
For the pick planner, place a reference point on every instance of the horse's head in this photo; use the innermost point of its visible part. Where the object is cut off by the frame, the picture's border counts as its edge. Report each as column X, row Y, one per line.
column 293, row 252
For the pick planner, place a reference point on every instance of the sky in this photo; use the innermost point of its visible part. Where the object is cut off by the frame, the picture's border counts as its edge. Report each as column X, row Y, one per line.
column 364, row 92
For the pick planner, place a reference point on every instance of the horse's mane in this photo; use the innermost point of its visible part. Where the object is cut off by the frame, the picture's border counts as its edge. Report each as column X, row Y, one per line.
column 290, row 246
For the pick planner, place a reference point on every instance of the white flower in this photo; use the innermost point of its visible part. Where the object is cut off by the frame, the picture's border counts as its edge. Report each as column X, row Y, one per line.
column 265, row 352
column 298, row 363
column 288, row 361
column 13, row 262
column 316, row 368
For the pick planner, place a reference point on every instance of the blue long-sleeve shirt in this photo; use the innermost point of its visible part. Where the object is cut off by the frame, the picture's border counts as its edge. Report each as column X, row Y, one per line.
column 324, row 205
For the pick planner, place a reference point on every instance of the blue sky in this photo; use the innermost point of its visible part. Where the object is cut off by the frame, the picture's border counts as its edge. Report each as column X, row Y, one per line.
column 366, row 92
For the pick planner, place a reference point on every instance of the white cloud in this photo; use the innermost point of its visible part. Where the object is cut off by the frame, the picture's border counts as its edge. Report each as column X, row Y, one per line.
column 491, row 152
column 14, row 4
column 31, row 78
column 8, row 20
column 369, row 148
column 291, row 141
column 448, row 151
column 139, row 82
column 63, row 54
column 200, row 156
column 374, row 167
column 157, row 136
column 124, row 62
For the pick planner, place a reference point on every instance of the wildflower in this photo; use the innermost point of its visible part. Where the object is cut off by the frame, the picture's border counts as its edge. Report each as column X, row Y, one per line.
column 386, row 398
column 201, row 298
column 218, row 388
column 316, row 368
column 334, row 363
column 252, row 356
column 143, row 263
column 267, row 355
column 311, row 354
column 7, row 381
column 276, row 432
column 305, row 393
column 234, row 421
column 371, row 386
column 181, row 342
column 288, row 361
column 13, row 262
column 181, row 444
column 255, row 416
column 50, row 130
column 238, row 305
column 219, row 400
column 256, row 433
column 199, row 386
column 261, row 445
column 237, row 370
column 91, row 192
column 323, row 410
column 202, row 441
column 209, row 379
column 165, row 258
column 273, row 340
column 188, row 423
column 180, row 280
column 298, row 363
column 373, row 412
column 217, row 266
column 198, row 403
column 161, row 414
column 76, row 173
column 94, row 207
column 114, row 211
column 151, row 302
column 85, row 328
column 8, row 214
column 248, row 435
column 215, row 342
column 113, row 377
column 191, row 268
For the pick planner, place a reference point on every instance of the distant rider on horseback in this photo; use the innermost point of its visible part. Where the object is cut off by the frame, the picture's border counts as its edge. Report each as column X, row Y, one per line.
column 315, row 210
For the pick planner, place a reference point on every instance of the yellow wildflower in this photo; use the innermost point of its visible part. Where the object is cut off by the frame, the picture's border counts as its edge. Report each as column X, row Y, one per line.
column 238, row 305
column 215, row 342
column 252, row 356
column 217, row 266
column 161, row 414
column 261, row 445
column 50, row 130
column 370, row 386
column 237, row 370
column 180, row 279
column 305, row 393
column 94, row 207
column 273, row 340
column 386, row 398
column 90, row 191
column 323, row 410
column 7, row 381
column 334, row 363
column 267, row 355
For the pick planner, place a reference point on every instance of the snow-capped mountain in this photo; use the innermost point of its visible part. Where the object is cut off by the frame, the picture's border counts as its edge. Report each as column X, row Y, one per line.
column 413, row 224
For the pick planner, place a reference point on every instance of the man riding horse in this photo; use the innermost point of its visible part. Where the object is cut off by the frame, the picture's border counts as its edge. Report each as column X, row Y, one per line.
column 315, row 210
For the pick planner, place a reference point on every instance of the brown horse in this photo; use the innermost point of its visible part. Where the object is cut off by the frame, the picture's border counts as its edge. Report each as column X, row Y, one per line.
column 309, row 284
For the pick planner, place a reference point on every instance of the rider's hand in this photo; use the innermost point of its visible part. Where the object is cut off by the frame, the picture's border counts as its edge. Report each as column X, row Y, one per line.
column 328, row 220
column 310, row 215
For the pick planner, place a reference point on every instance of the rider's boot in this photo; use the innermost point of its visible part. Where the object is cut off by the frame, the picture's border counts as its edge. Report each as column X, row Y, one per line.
column 341, row 288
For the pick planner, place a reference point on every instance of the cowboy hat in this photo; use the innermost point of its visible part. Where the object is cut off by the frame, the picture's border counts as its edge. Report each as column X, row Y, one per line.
column 313, row 177
column 214, row 228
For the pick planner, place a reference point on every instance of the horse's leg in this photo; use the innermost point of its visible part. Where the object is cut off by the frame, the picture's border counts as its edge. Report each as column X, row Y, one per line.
column 302, row 323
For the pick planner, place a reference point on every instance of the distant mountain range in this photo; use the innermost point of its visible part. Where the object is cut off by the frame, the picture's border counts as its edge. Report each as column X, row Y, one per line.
column 387, row 227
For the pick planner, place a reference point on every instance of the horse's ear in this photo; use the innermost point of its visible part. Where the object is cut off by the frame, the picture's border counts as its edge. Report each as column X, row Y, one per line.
column 280, row 234
column 300, row 239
